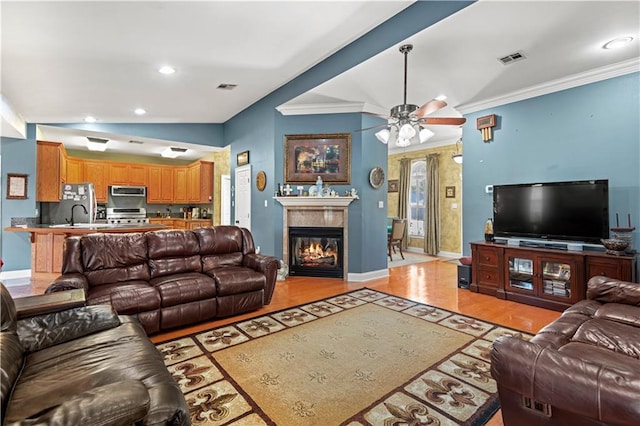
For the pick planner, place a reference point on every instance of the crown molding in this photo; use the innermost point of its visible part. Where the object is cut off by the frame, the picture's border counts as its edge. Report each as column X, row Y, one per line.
column 575, row 80
column 330, row 108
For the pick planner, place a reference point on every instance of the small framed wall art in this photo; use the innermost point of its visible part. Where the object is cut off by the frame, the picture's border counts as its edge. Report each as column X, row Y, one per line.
column 242, row 158
column 16, row 186
column 450, row 191
column 394, row 185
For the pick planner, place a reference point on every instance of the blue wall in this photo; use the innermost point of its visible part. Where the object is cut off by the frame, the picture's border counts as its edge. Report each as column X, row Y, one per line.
column 18, row 156
column 587, row 132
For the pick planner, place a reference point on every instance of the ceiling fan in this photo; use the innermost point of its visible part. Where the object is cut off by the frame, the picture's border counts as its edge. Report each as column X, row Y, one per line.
column 405, row 122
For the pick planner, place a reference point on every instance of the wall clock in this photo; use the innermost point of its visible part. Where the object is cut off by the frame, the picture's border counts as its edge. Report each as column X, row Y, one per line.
column 261, row 180
column 376, row 177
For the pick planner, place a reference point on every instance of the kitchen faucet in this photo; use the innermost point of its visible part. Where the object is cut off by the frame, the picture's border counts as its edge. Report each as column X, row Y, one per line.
column 72, row 223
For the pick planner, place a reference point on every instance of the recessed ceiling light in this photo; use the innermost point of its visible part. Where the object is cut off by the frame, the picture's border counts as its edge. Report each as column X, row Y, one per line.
column 617, row 42
column 441, row 97
column 166, row 69
column 97, row 144
column 173, row 152
column 140, row 111
column 90, row 119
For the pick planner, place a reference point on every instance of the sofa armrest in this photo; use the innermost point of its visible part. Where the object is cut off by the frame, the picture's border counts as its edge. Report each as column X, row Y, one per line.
column 45, row 303
column 120, row 403
column 267, row 265
column 42, row 331
column 609, row 290
column 548, row 376
column 68, row 282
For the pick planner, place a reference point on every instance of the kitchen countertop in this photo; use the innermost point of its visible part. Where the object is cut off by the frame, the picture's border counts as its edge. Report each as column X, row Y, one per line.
column 86, row 228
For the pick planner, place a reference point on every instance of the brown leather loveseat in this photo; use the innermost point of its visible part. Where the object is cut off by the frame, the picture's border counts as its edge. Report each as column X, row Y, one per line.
column 63, row 363
column 582, row 369
column 170, row 278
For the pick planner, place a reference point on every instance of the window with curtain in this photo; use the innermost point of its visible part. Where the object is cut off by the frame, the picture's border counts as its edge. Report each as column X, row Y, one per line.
column 417, row 198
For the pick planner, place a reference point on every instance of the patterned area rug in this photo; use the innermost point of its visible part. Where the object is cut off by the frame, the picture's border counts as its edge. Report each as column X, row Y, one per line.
column 361, row 358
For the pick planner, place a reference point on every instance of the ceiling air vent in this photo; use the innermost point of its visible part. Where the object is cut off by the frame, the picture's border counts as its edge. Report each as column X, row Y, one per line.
column 514, row 57
column 178, row 150
column 136, row 142
column 226, row 86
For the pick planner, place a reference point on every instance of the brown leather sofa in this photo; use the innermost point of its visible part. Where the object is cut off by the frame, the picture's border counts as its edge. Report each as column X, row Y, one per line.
column 582, row 369
column 63, row 363
column 170, row 278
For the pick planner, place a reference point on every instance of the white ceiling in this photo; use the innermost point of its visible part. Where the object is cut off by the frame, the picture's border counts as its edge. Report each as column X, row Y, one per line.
column 62, row 61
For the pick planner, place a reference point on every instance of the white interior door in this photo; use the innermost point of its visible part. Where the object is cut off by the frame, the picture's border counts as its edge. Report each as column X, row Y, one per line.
column 225, row 200
column 243, row 196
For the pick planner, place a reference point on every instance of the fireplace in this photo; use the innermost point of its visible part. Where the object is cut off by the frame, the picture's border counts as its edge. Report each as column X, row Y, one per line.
column 316, row 251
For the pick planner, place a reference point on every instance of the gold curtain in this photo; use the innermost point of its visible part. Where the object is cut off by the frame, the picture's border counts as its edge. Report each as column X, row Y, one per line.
column 432, row 213
column 403, row 194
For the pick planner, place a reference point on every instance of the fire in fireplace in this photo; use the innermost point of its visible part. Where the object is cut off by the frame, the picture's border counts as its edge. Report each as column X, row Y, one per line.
column 316, row 251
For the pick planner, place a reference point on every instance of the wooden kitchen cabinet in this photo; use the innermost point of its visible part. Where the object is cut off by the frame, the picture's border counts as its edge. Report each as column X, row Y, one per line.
column 198, row 223
column 127, row 174
column 96, row 172
column 74, row 170
column 200, row 182
column 180, row 185
column 160, row 184
column 49, row 171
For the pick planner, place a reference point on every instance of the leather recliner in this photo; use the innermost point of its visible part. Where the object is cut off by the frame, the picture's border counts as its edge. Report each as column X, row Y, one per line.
column 170, row 278
column 70, row 364
column 582, row 369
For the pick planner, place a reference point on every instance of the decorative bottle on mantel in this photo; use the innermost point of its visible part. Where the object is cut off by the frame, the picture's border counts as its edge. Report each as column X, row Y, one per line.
column 488, row 230
column 319, row 186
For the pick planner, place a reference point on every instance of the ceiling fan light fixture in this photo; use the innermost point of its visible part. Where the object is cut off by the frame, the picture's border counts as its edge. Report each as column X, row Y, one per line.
column 617, row 43
column 383, row 136
column 457, row 157
column 425, row 135
column 407, row 131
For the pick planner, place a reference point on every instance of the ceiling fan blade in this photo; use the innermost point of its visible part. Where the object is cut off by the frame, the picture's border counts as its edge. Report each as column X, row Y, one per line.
column 446, row 121
column 386, row 117
column 372, row 127
column 430, row 107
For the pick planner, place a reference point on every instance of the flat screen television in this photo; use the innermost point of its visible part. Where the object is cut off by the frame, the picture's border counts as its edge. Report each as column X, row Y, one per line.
column 569, row 211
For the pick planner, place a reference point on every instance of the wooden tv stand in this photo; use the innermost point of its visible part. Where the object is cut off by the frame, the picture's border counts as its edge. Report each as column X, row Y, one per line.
column 545, row 277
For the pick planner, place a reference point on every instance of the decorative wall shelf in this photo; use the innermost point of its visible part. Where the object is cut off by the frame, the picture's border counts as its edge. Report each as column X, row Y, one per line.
column 315, row 201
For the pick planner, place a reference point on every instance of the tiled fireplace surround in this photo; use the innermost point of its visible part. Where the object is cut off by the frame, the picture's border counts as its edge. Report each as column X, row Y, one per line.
column 319, row 212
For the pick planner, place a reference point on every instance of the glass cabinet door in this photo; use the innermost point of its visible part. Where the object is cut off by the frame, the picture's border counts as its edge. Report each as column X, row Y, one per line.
column 556, row 279
column 521, row 274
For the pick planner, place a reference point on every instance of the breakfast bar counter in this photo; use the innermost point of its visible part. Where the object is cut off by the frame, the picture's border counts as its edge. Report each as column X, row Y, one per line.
column 47, row 241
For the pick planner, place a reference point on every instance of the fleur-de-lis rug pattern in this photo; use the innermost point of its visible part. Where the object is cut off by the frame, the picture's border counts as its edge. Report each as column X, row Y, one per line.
column 360, row 358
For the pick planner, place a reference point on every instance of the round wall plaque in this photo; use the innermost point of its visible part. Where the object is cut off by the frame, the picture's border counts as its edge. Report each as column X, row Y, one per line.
column 261, row 180
column 376, row 177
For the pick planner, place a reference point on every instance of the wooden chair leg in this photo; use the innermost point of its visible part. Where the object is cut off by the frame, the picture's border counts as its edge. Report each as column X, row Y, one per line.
column 389, row 250
column 400, row 248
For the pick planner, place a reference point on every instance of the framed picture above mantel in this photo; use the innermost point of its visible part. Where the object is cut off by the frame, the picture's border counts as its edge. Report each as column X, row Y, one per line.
column 326, row 155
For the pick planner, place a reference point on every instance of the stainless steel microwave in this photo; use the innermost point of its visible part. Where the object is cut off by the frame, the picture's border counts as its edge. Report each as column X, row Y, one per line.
column 128, row 191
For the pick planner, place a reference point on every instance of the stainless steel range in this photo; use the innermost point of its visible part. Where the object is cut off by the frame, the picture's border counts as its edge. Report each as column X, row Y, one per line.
column 116, row 215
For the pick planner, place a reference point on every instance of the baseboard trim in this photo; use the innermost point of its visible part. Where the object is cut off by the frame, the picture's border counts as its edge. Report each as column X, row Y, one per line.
column 367, row 276
column 15, row 275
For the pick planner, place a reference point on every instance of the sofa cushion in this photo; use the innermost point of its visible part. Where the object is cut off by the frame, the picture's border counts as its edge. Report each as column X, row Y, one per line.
column 109, row 258
column 620, row 338
column 62, row 372
column 184, row 288
column 599, row 355
column 219, row 240
column 126, row 298
column 173, row 252
column 214, row 261
column 624, row 314
column 237, row 280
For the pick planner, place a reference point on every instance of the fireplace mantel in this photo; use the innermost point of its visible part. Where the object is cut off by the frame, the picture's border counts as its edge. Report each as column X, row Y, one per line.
column 315, row 201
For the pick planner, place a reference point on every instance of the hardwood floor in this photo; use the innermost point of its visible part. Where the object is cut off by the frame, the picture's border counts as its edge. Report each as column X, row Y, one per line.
column 434, row 283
